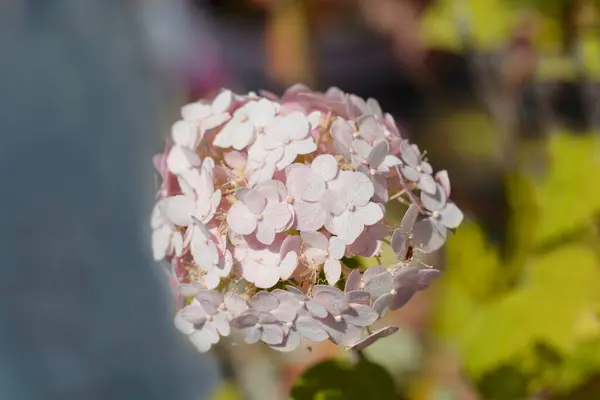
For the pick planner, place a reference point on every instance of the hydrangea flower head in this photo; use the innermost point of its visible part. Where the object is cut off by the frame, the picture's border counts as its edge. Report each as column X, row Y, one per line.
column 261, row 192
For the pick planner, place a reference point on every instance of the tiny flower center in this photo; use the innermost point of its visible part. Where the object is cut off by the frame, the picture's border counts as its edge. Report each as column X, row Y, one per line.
column 435, row 214
column 259, row 217
column 287, row 141
column 351, row 207
column 243, row 118
column 222, row 307
column 355, row 135
column 209, row 317
column 258, row 326
column 301, row 302
column 393, row 292
column 387, row 133
column 372, row 171
column 338, row 318
column 290, row 199
column 260, row 130
column 352, row 151
column 289, row 324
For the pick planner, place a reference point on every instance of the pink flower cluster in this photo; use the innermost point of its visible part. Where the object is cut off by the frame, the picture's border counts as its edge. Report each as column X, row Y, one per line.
column 259, row 190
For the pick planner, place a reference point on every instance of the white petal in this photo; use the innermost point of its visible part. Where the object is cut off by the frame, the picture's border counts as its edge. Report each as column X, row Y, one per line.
column 161, row 241
column 304, row 146
column 222, row 102
column 211, row 280
column 185, row 134
column 225, row 137
column 213, row 121
column 347, row 226
column 263, row 112
column 369, row 214
column 181, row 159
column 195, row 111
column 179, row 209
column 288, row 157
column 288, row 265
column 333, row 270
column 266, row 276
column 244, row 135
column 177, row 243
column 183, row 325
column 337, row 248
column 296, row 125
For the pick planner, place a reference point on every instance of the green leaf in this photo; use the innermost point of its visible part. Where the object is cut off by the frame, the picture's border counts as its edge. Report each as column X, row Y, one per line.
column 341, row 379
column 568, row 197
column 562, row 286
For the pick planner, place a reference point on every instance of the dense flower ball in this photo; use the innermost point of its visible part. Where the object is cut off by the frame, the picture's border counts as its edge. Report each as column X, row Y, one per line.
column 262, row 193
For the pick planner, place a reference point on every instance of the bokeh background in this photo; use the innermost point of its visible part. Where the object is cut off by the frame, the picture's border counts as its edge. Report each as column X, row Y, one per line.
column 504, row 94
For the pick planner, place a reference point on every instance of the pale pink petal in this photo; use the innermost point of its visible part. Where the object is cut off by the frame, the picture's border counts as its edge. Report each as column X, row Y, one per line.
column 326, row 166
column 254, row 200
column 336, row 202
column 235, row 160
column 309, row 216
column 265, row 233
column 240, row 219
column 333, row 270
column 290, row 243
column 360, row 188
column 362, row 149
column 277, row 215
column 288, row 157
column 342, row 131
column 315, row 240
column 295, row 179
column 378, row 153
column 273, row 190
column 315, row 256
column 306, row 184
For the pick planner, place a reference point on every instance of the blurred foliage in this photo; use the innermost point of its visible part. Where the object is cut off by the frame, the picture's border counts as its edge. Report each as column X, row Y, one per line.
column 529, row 320
column 227, row 390
column 345, row 380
